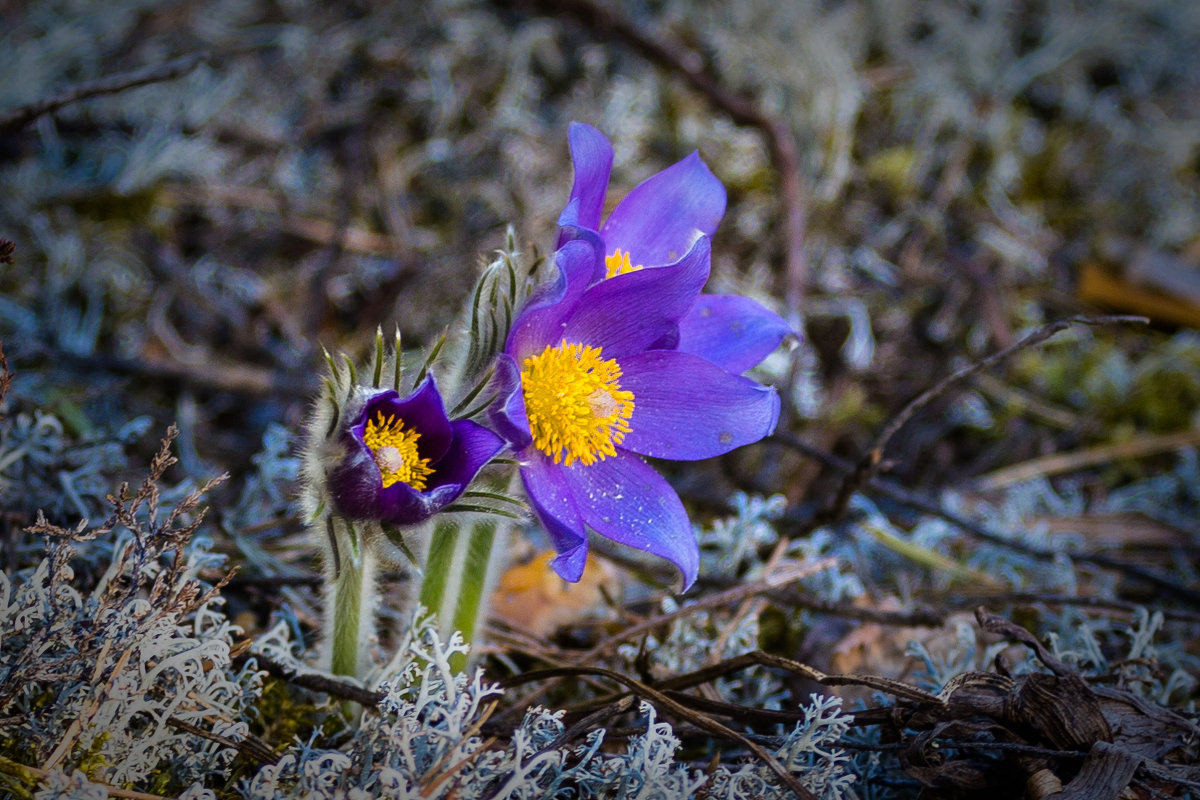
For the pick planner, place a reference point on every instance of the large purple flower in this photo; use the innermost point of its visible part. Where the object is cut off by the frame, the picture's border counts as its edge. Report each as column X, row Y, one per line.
column 405, row 460
column 586, row 391
column 654, row 226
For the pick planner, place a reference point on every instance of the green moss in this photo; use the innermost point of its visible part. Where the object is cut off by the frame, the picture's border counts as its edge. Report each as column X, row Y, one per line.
column 1158, row 392
column 91, row 762
column 854, row 405
column 16, row 779
column 282, row 717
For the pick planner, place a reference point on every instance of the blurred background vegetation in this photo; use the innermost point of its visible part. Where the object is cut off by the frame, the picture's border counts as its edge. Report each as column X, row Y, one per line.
column 183, row 247
column 294, row 174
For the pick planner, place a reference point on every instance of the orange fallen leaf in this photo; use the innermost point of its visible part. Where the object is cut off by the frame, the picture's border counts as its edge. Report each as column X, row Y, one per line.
column 532, row 598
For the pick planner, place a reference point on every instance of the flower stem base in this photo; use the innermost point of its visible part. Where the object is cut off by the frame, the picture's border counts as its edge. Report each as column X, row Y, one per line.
column 458, row 573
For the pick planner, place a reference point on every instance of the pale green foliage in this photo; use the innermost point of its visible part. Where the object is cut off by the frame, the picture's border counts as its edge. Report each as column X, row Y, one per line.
column 166, row 218
column 423, row 741
column 103, row 678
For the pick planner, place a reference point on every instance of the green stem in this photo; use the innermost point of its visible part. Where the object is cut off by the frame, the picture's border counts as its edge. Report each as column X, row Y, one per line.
column 350, row 600
column 458, row 574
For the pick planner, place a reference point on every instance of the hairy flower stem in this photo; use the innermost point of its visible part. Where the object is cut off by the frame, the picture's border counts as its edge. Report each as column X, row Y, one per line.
column 350, row 596
column 458, row 573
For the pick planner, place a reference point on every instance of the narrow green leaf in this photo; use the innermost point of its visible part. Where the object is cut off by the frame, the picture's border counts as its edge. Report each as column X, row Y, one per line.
column 336, row 416
column 471, row 395
column 377, row 380
column 398, row 361
column 335, row 372
column 491, row 398
column 503, row 498
column 439, row 566
column 396, row 537
column 470, row 597
column 352, row 603
column 477, row 509
column 512, row 277
column 433, row 354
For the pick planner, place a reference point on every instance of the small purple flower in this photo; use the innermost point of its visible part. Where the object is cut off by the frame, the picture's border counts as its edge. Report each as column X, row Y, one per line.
column 585, row 392
column 655, row 225
column 405, row 460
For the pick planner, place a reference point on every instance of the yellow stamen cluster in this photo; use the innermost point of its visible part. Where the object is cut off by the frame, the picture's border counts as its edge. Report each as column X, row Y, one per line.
column 618, row 264
column 395, row 451
column 574, row 402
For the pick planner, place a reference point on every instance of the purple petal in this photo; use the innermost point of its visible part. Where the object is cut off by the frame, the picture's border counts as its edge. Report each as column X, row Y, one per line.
column 686, row 408
column 354, row 484
column 358, row 494
column 550, row 497
column 592, row 157
column 569, row 232
column 507, row 414
column 627, row 313
column 625, row 500
column 474, row 446
column 731, row 331
column 422, row 411
column 455, row 451
column 660, row 219
column 401, row 504
column 543, row 317
column 570, row 229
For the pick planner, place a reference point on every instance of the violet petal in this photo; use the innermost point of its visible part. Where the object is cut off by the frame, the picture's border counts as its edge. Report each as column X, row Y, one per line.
column 623, row 499
column 422, row 411
column 686, row 408
column 354, row 484
column 627, row 313
column 592, row 157
column 572, row 230
column 401, row 504
column 507, row 414
column 732, row 331
column 658, row 221
column 542, row 320
column 550, row 497
column 474, row 446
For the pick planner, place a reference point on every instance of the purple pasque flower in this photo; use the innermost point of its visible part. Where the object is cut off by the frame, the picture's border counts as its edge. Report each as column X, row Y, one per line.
column 405, row 460
column 654, row 226
column 585, row 393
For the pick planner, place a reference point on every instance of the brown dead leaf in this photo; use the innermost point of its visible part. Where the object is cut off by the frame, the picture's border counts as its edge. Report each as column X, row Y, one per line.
column 532, row 598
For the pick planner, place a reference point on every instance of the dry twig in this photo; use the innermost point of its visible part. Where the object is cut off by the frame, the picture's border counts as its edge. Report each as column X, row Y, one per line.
column 316, row 681
column 23, row 115
column 701, row 721
column 871, row 463
column 892, row 491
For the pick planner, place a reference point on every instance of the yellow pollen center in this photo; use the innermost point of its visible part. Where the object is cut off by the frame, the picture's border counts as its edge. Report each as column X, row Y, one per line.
column 575, row 405
column 395, row 452
column 618, row 264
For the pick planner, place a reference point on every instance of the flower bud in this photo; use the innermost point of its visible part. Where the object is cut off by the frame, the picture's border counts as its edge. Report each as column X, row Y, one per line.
column 374, row 456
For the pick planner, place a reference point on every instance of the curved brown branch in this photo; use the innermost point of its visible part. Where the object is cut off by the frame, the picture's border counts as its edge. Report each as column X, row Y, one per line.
column 318, row 681
column 870, row 464
column 892, row 491
column 22, row 116
column 701, row 721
